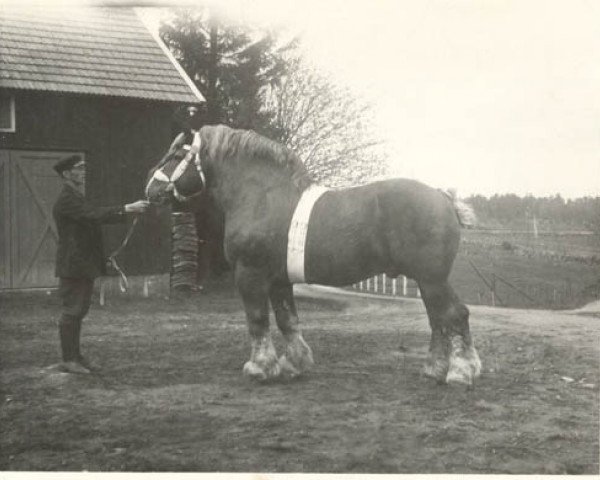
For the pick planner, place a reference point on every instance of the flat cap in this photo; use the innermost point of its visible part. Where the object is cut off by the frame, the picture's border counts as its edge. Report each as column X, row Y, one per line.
column 66, row 163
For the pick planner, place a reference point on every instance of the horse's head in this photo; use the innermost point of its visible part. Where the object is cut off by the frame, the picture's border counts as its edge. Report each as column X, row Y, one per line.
column 178, row 176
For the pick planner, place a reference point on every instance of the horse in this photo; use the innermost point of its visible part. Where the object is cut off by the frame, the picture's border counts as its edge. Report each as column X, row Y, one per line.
column 282, row 228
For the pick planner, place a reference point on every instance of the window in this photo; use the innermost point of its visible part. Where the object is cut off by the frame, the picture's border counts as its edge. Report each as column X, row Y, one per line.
column 7, row 113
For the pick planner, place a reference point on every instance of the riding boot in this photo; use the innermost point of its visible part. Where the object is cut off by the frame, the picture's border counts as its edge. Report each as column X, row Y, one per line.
column 77, row 338
column 67, row 337
column 79, row 358
column 68, row 345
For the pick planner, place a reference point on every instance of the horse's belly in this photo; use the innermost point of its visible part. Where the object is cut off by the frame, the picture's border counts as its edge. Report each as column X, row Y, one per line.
column 343, row 243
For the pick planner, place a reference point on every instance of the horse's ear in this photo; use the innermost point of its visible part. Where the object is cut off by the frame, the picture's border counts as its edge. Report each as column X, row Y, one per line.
column 178, row 142
column 190, row 117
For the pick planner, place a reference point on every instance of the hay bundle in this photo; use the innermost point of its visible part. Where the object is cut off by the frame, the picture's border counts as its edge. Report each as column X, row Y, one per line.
column 184, row 251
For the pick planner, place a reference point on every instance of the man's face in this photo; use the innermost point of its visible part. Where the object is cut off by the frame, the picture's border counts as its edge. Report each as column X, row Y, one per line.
column 76, row 174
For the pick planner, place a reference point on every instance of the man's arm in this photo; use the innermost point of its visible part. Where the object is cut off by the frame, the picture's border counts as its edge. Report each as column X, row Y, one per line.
column 78, row 209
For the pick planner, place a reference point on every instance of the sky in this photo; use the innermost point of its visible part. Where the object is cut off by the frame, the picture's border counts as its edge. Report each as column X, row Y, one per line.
column 484, row 96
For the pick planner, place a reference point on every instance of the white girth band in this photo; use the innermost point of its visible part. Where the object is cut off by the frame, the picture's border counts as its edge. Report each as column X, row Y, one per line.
column 298, row 230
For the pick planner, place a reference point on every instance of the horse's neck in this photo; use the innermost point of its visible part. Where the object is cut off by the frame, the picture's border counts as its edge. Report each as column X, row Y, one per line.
column 245, row 186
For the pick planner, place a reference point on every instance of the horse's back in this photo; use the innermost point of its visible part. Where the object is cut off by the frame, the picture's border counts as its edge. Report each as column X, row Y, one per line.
column 397, row 226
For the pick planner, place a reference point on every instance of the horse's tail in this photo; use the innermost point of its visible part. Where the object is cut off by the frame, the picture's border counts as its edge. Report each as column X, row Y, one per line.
column 464, row 211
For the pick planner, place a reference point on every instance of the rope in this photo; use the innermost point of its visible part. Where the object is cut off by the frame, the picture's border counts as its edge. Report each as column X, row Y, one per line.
column 123, row 282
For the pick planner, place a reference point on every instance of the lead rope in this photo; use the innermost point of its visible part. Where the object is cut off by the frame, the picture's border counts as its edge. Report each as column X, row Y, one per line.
column 123, row 282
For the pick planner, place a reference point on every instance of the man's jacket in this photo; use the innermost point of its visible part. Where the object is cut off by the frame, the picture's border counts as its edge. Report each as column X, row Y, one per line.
column 80, row 251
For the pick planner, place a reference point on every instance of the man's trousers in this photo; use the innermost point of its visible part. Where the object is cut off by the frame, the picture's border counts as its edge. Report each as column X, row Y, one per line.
column 76, row 296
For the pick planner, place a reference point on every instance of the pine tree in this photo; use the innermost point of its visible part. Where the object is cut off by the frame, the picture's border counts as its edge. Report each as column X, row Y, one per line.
column 231, row 64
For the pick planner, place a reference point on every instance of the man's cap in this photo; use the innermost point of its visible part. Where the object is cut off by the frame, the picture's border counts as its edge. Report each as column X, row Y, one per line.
column 67, row 163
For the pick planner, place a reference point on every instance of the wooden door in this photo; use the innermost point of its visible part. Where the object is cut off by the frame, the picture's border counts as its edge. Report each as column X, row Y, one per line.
column 32, row 186
column 4, row 221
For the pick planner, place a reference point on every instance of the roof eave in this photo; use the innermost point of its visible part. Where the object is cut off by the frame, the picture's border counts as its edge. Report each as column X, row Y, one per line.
column 33, row 88
column 173, row 60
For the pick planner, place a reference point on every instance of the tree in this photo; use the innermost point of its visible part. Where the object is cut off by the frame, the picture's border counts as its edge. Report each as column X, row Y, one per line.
column 229, row 63
column 329, row 128
column 252, row 80
column 554, row 212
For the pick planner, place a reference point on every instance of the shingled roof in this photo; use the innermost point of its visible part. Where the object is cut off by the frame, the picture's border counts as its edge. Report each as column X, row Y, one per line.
column 96, row 51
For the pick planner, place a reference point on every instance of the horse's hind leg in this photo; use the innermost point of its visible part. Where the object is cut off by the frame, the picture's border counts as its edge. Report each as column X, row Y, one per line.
column 453, row 355
column 297, row 357
column 253, row 288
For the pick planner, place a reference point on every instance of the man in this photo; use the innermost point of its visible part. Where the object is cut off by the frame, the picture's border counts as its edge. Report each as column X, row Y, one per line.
column 80, row 256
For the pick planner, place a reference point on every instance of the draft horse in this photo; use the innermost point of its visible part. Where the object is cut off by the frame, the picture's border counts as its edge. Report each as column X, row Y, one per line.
column 280, row 229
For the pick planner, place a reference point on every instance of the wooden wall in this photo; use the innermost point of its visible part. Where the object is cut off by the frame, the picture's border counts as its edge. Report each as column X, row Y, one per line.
column 122, row 139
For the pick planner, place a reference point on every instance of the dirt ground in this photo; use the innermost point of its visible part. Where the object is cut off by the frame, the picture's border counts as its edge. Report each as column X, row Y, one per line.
column 169, row 395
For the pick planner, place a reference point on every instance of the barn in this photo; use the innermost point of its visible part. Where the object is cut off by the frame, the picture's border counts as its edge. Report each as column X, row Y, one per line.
column 97, row 82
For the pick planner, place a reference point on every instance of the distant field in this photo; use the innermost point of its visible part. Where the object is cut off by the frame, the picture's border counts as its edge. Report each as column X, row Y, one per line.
column 523, row 280
column 555, row 270
column 585, row 245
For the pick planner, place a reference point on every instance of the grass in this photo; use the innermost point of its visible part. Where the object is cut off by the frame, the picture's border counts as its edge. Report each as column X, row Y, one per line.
column 170, row 395
column 537, row 281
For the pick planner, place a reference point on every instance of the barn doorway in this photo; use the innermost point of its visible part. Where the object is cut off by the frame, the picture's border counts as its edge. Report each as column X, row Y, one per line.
column 28, row 239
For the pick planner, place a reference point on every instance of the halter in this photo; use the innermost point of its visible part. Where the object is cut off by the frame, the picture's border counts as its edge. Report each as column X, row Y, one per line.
column 193, row 152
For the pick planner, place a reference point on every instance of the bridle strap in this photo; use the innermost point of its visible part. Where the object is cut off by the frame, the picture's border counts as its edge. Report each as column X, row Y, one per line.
column 112, row 258
column 193, row 153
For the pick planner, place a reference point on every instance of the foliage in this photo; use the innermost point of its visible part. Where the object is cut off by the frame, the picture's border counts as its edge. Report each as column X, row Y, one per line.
column 240, row 62
column 251, row 79
column 259, row 82
column 555, row 212
column 331, row 130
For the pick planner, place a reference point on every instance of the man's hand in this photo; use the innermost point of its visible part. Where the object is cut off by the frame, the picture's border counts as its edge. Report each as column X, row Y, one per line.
column 137, row 207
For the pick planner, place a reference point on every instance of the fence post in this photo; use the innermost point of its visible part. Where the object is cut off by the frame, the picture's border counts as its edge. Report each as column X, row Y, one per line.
column 375, row 283
column 368, row 284
column 145, row 291
column 102, row 292
column 394, row 286
column 404, row 285
column 384, row 282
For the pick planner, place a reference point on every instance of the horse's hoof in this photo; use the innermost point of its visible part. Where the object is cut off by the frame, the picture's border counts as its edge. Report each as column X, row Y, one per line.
column 459, row 378
column 307, row 360
column 475, row 362
column 274, row 371
column 298, row 356
column 461, row 372
column 287, row 368
column 252, row 370
column 436, row 371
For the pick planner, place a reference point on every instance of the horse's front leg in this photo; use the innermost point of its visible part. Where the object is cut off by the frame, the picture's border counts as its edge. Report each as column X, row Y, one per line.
column 297, row 357
column 253, row 287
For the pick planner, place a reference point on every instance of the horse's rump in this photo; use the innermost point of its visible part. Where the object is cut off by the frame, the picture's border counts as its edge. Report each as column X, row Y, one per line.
column 395, row 226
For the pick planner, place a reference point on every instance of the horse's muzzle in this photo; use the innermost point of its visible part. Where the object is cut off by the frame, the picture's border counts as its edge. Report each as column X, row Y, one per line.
column 159, row 193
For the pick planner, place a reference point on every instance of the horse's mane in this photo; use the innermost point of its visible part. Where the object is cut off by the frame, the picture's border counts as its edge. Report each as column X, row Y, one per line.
column 225, row 144
column 176, row 144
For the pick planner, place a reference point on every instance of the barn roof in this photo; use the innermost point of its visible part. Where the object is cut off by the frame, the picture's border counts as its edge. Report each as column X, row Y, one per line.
column 97, row 51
